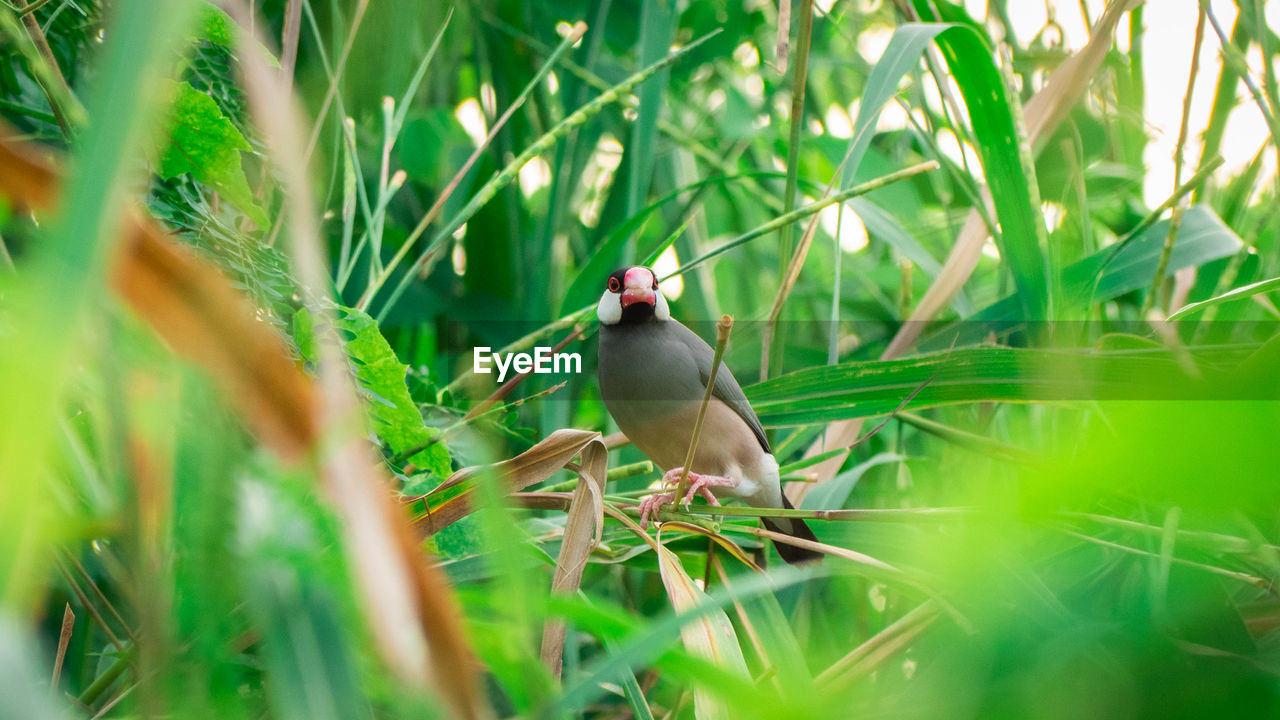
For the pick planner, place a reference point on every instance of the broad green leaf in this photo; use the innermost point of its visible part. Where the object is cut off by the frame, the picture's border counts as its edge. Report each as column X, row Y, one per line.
column 381, row 376
column 214, row 25
column 202, row 141
column 985, row 374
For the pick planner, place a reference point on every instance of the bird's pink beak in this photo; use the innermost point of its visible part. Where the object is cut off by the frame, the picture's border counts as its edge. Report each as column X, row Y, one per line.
column 638, row 287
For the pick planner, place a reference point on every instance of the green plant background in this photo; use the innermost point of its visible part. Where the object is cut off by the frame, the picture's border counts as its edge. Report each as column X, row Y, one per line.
column 1075, row 500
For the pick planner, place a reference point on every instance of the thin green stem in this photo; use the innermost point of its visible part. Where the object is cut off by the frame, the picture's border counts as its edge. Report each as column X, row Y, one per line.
column 508, row 174
column 806, row 211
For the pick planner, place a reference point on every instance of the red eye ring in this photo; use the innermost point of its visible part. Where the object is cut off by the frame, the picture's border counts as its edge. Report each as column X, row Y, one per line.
column 614, row 284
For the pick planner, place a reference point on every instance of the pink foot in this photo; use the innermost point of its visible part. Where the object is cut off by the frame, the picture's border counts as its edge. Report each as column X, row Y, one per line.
column 698, row 485
column 649, row 506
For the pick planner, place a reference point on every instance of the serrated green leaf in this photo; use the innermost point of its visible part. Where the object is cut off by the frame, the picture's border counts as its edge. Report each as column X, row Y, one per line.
column 215, row 25
column 395, row 416
column 381, row 375
column 204, row 142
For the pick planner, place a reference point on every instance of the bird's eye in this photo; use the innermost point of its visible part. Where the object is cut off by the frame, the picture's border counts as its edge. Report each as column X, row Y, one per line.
column 614, row 284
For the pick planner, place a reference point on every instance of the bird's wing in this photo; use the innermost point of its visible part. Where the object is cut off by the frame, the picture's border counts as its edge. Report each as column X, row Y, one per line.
column 726, row 389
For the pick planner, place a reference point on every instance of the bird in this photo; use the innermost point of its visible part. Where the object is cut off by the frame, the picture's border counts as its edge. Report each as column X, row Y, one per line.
column 653, row 374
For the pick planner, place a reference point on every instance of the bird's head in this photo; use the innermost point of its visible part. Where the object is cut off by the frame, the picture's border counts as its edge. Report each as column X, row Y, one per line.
column 632, row 295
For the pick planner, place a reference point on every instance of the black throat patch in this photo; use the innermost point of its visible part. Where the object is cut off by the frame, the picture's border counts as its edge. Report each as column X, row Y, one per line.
column 636, row 313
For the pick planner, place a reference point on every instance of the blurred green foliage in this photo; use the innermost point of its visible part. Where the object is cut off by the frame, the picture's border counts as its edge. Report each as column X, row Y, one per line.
column 1077, row 506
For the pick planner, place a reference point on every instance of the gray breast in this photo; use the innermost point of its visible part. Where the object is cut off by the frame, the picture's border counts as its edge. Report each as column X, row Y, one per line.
column 645, row 373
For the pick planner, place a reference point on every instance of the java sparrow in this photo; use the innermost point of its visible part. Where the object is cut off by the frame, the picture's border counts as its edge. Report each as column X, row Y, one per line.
column 653, row 372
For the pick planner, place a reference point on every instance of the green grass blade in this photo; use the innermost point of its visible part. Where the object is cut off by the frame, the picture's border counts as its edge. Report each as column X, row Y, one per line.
column 658, row 23
column 1239, row 293
column 1005, row 160
column 806, row 211
column 64, row 278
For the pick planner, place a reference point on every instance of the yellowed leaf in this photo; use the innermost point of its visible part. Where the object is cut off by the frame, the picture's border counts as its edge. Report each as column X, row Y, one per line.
column 709, row 635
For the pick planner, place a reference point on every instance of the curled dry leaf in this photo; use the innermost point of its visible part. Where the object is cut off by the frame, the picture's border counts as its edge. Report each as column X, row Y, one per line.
column 1044, row 112
column 583, row 528
column 531, row 466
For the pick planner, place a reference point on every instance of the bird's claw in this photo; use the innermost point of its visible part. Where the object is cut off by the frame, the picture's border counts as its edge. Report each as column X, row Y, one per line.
column 698, row 485
column 651, row 504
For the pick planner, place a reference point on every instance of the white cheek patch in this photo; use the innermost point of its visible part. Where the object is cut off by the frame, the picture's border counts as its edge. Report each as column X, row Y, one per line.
column 660, row 308
column 609, row 311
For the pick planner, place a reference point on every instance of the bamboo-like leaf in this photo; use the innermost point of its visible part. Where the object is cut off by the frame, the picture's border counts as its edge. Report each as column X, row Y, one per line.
column 1044, row 112
column 1107, row 274
column 709, row 635
column 986, row 374
column 971, row 441
column 582, row 531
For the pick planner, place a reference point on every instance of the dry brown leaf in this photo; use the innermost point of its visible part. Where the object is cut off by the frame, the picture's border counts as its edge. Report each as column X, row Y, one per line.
column 1043, row 113
column 710, row 635
column 531, row 466
column 583, row 528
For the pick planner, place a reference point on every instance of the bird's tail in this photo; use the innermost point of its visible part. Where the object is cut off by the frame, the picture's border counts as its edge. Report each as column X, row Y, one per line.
column 794, row 527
